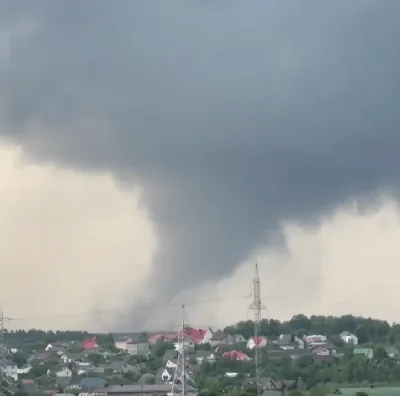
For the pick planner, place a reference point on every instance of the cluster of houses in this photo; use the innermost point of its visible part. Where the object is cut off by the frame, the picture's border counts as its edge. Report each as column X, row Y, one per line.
column 74, row 370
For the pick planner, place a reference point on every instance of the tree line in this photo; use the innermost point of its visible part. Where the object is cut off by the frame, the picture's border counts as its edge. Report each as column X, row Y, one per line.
column 366, row 329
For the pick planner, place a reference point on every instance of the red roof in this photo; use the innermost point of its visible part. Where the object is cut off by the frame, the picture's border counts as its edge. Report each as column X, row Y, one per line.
column 89, row 343
column 235, row 355
column 259, row 340
column 195, row 334
column 162, row 337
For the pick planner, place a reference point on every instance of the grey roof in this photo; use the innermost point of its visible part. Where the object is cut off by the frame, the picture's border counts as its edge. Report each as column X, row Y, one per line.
column 169, row 355
column 138, row 339
column 91, row 383
column 391, row 349
column 326, row 345
column 324, row 358
column 135, row 388
column 285, row 338
column 271, row 385
column 203, row 354
column 218, row 336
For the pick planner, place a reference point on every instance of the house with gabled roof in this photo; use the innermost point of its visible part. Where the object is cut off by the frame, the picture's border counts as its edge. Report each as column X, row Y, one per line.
column 370, row 391
column 260, row 341
column 202, row 355
column 364, row 352
column 89, row 343
column 235, row 355
column 165, row 375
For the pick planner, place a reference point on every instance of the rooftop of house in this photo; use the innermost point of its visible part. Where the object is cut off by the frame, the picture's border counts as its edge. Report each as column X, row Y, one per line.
column 120, row 365
column 218, row 336
column 371, row 391
column 136, row 388
column 203, row 354
column 169, row 355
column 362, row 351
column 91, row 383
column 270, row 383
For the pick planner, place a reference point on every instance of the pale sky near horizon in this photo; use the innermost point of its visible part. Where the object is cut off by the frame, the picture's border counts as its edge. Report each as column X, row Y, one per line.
column 75, row 241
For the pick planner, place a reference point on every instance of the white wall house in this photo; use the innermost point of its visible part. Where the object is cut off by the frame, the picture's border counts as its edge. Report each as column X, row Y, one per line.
column 188, row 345
column 207, row 337
column 10, row 370
column 170, row 364
column 167, row 375
column 25, row 369
column 254, row 341
column 64, row 373
column 315, row 339
column 348, row 338
column 122, row 345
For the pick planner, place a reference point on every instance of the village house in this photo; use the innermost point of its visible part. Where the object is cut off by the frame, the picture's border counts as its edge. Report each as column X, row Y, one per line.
column 189, row 345
column 289, row 341
column 138, row 348
column 260, row 341
column 163, row 337
column 25, row 369
column 170, row 355
column 29, row 386
column 121, row 368
column 165, row 375
column 171, row 364
column 10, row 369
column 137, row 389
column 204, row 356
column 323, row 349
column 65, row 372
column 235, row 355
column 315, row 339
column 89, row 343
column 217, row 338
column 121, row 342
column 195, row 335
column 365, row 352
column 393, row 352
column 348, row 338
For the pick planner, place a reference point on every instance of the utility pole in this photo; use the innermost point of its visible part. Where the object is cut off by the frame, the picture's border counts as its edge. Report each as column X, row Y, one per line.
column 257, row 307
column 183, row 384
column 5, row 385
column 182, row 347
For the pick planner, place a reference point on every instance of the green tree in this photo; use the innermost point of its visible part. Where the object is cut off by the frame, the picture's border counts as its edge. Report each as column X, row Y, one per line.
column 158, row 350
column 95, row 358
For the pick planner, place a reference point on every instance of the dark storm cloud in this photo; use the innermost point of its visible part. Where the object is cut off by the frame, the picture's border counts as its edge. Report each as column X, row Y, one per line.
column 233, row 115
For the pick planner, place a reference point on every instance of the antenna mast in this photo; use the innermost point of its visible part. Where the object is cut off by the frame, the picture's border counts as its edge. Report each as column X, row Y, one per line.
column 257, row 307
column 183, row 384
column 5, row 384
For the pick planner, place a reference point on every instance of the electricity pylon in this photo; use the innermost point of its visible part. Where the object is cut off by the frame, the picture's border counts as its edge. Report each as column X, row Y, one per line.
column 5, row 384
column 257, row 306
column 183, row 383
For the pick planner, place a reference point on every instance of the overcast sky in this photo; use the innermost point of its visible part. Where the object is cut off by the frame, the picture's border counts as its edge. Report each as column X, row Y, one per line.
column 152, row 151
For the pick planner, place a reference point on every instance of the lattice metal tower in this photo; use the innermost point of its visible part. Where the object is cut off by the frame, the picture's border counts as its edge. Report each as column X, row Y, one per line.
column 5, row 384
column 183, row 383
column 257, row 307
